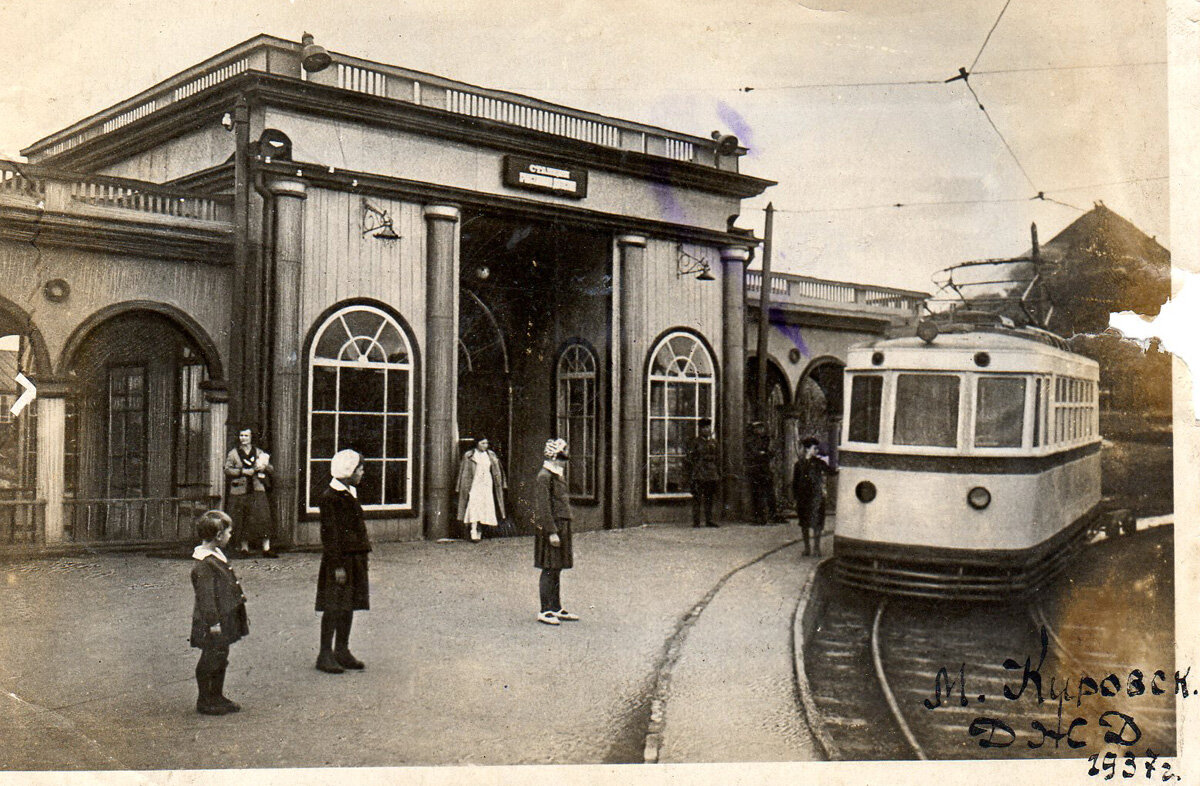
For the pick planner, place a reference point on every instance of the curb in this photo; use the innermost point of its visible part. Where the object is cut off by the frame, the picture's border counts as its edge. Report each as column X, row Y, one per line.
column 810, row 608
column 662, row 678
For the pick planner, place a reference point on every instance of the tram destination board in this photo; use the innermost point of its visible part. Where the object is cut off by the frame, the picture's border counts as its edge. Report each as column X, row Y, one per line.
column 546, row 177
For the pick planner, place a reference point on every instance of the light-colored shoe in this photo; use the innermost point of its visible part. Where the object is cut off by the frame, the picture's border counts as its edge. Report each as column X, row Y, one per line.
column 548, row 617
column 566, row 616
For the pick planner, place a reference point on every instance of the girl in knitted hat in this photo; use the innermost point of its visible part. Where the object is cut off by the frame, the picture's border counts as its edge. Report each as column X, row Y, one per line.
column 342, row 585
column 552, row 531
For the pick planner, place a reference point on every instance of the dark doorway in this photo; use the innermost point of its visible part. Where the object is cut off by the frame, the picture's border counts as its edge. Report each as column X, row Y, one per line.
column 484, row 382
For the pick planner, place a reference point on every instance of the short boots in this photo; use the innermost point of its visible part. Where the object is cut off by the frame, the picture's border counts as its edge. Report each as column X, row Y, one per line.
column 328, row 663
column 346, row 660
column 206, row 704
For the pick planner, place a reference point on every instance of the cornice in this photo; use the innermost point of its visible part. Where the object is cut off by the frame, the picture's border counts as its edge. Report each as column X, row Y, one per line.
column 117, row 236
column 345, row 105
column 368, row 184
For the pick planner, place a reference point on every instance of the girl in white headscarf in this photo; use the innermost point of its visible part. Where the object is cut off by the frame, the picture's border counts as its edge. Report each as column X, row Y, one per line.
column 342, row 586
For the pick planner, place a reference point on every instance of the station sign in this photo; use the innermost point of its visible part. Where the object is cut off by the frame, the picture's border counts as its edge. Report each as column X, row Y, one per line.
column 548, row 178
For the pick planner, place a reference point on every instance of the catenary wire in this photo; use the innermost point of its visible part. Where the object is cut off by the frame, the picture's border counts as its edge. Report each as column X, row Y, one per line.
column 989, row 35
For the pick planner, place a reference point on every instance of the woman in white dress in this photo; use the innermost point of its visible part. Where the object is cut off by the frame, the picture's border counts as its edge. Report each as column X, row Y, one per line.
column 480, row 489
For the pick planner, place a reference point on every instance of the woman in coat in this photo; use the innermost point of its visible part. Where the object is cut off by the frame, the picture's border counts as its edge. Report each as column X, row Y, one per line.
column 342, row 585
column 248, row 473
column 552, row 531
column 480, row 488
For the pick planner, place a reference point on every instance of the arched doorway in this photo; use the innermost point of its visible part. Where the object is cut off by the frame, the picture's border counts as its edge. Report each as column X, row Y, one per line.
column 780, row 425
column 136, row 454
column 484, row 382
column 818, row 410
column 21, row 351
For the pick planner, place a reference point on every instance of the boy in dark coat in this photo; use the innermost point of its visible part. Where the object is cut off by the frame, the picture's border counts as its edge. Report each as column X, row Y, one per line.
column 703, row 463
column 342, row 586
column 552, row 537
column 808, row 488
column 219, row 615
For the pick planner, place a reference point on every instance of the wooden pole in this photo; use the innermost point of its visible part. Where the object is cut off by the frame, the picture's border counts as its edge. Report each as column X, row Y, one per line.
column 764, row 317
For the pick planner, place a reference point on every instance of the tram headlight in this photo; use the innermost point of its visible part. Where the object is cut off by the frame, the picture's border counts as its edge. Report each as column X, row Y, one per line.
column 979, row 498
column 865, row 491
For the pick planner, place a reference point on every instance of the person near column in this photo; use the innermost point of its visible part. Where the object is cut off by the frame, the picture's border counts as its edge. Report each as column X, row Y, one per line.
column 219, row 614
column 758, row 473
column 480, row 489
column 552, row 531
column 808, row 489
column 703, row 464
column 342, row 586
column 249, row 473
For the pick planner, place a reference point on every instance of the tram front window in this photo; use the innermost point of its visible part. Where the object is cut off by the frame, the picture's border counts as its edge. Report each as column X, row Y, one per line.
column 926, row 410
column 1000, row 412
column 866, row 395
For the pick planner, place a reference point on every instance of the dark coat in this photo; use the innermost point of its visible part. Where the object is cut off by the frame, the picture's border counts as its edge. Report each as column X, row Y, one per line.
column 219, row 599
column 551, row 516
column 703, row 461
column 344, row 544
column 808, row 489
column 466, row 474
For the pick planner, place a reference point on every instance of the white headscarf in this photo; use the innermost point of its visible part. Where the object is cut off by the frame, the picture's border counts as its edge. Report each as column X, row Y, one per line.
column 344, row 463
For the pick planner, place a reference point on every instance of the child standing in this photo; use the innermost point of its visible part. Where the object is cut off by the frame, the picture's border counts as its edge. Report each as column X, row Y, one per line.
column 219, row 616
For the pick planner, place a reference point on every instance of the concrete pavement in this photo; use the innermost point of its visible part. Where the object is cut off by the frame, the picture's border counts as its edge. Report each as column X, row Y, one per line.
column 95, row 670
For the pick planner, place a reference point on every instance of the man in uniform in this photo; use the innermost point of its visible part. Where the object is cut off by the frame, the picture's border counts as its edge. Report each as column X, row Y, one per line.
column 704, row 473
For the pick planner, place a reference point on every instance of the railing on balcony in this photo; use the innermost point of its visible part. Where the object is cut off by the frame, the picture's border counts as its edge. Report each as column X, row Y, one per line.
column 22, row 521
column 277, row 56
column 788, row 288
column 59, row 191
column 133, row 519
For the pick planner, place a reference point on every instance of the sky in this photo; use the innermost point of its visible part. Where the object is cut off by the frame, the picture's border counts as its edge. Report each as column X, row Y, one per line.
column 1077, row 93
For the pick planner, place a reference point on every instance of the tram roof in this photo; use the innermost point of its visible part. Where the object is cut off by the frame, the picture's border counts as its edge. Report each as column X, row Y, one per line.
column 1011, row 350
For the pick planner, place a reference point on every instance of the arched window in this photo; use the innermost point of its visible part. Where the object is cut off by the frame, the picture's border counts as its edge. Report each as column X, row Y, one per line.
column 360, row 395
column 576, row 410
column 682, row 392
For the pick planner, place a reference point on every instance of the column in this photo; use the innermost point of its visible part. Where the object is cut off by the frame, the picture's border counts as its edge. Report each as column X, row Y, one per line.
column 733, row 385
column 441, row 364
column 285, row 342
column 217, row 397
column 632, row 466
column 51, row 403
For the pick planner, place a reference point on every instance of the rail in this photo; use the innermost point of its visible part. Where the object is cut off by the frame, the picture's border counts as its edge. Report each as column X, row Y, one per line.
column 22, row 521
column 786, row 287
column 133, row 519
column 64, row 192
column 267, row 54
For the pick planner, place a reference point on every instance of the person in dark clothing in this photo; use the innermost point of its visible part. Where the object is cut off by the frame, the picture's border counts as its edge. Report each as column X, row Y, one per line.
column 808, row 489
column 219, row 615
column 759, row 454
column 704, row 473
column 342, row 586
column 552, row 531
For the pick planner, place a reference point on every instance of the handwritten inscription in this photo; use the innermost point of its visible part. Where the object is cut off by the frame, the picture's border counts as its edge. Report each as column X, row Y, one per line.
column 995, row 731
column 1108, row 766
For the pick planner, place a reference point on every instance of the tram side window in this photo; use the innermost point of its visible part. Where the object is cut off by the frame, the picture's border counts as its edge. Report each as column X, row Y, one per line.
column 866, row 398
column 926, row 410
column 1000, row 412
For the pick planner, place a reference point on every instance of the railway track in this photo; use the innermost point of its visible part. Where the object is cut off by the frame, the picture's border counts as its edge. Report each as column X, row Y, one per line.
column 914, row 679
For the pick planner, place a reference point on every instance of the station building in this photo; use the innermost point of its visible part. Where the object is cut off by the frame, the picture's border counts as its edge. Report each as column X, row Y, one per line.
column 341, row 253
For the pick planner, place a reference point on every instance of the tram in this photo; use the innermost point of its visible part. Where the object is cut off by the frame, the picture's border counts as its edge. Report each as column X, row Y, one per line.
column 970, row 460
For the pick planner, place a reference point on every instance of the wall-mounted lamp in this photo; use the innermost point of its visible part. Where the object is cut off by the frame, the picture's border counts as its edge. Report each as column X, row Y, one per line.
column 378, row 222
column 313, row 56
column 687, row 264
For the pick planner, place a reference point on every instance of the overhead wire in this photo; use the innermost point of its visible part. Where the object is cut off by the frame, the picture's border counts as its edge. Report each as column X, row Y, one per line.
column 989, row 35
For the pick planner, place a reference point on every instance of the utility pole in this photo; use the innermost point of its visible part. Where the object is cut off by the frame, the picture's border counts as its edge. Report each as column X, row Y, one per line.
column 764, row 320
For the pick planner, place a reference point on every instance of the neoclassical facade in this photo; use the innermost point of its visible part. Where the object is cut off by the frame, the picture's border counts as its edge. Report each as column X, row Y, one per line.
column 341, row 253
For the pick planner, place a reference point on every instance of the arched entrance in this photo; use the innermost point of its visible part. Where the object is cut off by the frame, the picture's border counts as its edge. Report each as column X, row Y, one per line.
column 137, row 432
column 780, row 425
column 484, row 382
column 21, row 350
